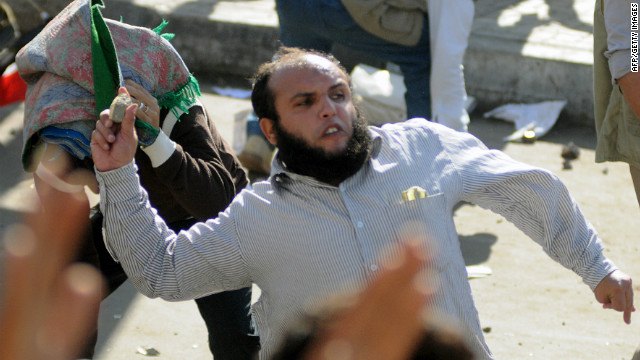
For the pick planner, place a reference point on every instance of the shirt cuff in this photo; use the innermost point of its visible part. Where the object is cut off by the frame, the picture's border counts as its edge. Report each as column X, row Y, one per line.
column 118, row 185
column 619, row 64
column 600, row 268
column 161, row 149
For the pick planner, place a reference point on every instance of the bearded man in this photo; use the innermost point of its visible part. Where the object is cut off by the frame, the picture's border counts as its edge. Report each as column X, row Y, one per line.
column 335, row 205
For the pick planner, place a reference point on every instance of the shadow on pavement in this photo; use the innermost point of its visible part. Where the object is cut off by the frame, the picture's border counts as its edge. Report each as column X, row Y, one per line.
column 476, row 248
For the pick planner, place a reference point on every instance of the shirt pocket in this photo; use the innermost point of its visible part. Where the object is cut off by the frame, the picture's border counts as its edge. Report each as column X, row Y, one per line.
column 430, row 219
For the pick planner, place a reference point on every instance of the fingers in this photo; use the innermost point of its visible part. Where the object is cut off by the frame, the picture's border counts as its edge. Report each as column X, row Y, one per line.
column 43, row 297
column 114, row 145
column 148, row 110
column 140, row 93
column 616, row 292
column 149, row 114
column 128, row 124
column 60, row 228
column 72, row 294
column 629, row 308
column 57, row 232
column 103, row 135
column 620, row 304
column 627, row 316
column 106, row 130
column 74, row 305
column 134, row 88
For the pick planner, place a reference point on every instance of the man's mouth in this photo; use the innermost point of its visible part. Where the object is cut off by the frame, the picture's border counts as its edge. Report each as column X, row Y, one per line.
column 331, row 130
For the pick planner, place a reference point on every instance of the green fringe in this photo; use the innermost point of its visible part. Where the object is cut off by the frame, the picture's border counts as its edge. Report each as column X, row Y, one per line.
column 185, row 96
column 168, row 36
column 159, row 28
column 182, row 98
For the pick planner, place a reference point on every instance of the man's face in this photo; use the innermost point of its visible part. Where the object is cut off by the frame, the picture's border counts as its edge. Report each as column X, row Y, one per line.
column 314, row 104
column 319, row 132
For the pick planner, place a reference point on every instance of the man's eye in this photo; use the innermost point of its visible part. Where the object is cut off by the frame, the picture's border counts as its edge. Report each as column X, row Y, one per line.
column 338, row 96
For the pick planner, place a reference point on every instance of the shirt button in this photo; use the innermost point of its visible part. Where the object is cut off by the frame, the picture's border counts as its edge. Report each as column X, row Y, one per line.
column 359, row 224
column 374, row 267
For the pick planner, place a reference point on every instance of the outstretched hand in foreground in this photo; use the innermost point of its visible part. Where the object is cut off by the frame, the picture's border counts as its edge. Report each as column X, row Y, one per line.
column 48, row 303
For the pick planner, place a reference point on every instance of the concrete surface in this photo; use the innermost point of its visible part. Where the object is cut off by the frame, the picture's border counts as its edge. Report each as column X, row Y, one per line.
column 530, row 51
column 520, row 50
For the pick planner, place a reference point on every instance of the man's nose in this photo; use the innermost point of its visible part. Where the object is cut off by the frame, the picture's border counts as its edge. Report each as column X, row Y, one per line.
column 328, row 108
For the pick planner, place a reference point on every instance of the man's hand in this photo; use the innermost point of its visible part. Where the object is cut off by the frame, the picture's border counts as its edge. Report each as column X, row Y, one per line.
column 615, row 292
column 113, row 145
column 150, row 112
column 49, row 303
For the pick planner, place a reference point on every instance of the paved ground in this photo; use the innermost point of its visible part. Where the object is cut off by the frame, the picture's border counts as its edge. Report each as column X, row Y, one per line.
column 531, row 307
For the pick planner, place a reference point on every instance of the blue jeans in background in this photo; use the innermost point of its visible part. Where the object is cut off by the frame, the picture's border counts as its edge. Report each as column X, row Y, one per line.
column 319, row 24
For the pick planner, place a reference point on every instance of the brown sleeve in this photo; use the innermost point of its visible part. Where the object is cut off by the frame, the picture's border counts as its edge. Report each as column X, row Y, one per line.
column 202, row 175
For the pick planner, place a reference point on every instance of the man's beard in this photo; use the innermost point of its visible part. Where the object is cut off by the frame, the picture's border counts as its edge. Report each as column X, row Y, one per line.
column 301, row 158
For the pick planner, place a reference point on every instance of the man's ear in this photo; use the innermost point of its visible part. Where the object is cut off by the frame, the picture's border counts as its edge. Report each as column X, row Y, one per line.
column 268, row 129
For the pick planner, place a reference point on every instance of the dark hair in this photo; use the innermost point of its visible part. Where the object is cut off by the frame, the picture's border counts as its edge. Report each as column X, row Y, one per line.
column 262, row 97
column 438, row 342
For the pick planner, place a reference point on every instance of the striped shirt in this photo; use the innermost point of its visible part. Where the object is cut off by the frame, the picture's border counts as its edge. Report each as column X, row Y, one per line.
column 300, row 240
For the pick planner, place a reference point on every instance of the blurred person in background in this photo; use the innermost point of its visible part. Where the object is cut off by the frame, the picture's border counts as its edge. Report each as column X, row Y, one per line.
column 616, row 87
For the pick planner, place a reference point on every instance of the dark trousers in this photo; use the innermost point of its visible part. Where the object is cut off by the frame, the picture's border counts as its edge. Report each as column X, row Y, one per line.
column 231, row 330
column 227, row 315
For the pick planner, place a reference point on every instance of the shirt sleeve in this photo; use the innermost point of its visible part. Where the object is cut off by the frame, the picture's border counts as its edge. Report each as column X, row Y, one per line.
column 617, row 20
column 202, row 166
column 160, row 263
column 533, row 199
